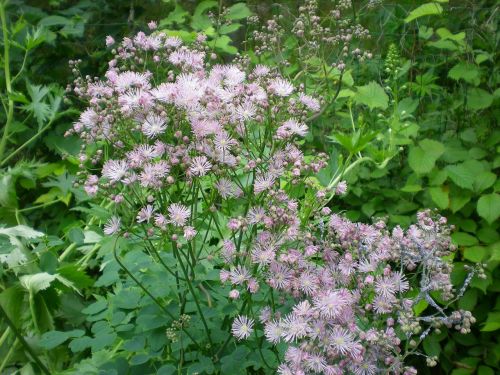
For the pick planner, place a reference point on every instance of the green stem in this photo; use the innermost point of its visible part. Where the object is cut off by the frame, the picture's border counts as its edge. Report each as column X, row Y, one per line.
column 195, row 297
column 8, row 86
column 155, row 300
column 8, row 355
column 4, row 336
column 25, row 144
column 23, row 341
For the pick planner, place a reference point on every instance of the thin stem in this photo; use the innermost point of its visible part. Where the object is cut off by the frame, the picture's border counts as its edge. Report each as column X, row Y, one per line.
column 8, row 355
column 155, row 300
column 23, row 341
column 195, row 297
column 8, row 86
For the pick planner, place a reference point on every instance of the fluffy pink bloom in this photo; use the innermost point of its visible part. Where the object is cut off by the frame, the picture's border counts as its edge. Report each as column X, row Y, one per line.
column 242, row 327
column 153, row 126
column 178, row 214
column 281, row 87
column 200, row 166
column 112, row 226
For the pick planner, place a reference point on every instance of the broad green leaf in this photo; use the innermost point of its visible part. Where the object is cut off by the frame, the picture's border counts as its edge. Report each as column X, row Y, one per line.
column 485, row 370
column 462, row 174
column 492, row 322
column 475, row 253
column 464, row 239
column 422, row 158
column 467, row 72
column 488, row 207
column 201, row 21
column 468, row 300
column 238, row 11
column 427, row 9
column 484, row 180
column 439, row 195
column 372, row 95
column 478, row 99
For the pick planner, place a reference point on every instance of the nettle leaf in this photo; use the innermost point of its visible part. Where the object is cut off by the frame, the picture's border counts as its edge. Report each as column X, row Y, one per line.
column 372, row 95
column 428, row 9
column 467, row 72
column 478, row 99
column 422, row 158
column 488, row 207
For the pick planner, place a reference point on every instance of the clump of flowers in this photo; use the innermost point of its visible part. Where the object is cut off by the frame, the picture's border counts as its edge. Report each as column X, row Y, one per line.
column 187, row 150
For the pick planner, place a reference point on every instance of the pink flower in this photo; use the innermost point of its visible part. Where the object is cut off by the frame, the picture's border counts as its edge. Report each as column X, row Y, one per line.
column 234, row 294
column 178, row 214
column 189, row 233
column 242, row 327
column 112, row 226
column 281, row 87
column 109, row 41
column 200, row 166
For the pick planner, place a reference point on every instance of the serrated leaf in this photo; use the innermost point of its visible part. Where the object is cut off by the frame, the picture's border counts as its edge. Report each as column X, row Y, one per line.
column 372, row 95
column 440, row 196
column 466, row 72
column 484, row 180
column 22, row 231
column 422, row 158
column 478, row 99
column 462, row 175
column 424, row 10
column 488, row 207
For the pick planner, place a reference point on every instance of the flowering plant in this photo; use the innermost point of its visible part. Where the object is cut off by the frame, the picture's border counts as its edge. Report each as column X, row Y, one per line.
column 203, row 169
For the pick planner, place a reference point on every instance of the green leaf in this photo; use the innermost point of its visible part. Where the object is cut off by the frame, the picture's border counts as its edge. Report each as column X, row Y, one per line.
column 201, row 21
column 238, row 11
column 485, row 370
column 478, row 99
column 440, row 196
column 422, row 158
column 431, row 346
column 234, row 363
column 467, row 72
column 492, row 322
column 464, row 239
column 484, row 180
column 372, row 95
column 22, row 231
column 50, row 340
column 462, row 174
column 177, row 16
column 475, row 254
column 488, row 207
column 468, row 300
column 424, row 10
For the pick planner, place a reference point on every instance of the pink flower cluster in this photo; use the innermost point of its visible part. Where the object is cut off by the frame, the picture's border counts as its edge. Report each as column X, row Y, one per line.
column 183, row 149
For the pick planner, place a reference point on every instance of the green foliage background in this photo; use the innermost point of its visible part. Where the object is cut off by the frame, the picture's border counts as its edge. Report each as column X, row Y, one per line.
column 425, row 112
